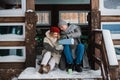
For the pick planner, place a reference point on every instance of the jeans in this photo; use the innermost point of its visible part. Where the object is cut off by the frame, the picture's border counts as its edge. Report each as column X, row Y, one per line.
column 79, row 52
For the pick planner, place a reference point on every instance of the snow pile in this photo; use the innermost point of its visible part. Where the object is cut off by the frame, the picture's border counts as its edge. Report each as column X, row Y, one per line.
column 109, row 48
column 118, row 57
column 12, row 58
column 11, row 37
column 32, row 73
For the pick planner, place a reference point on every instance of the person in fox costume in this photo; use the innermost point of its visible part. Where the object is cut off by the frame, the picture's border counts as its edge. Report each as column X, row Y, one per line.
column 52, row 50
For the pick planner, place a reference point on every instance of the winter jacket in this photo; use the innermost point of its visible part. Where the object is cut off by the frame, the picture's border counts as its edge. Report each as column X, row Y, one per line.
column 73, row 31
column 50, row 44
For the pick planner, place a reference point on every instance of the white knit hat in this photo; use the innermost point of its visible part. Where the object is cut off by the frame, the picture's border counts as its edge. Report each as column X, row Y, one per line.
column 62, row 22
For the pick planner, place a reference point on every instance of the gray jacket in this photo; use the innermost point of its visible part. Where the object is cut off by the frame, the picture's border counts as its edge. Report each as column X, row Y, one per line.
column 73, row 31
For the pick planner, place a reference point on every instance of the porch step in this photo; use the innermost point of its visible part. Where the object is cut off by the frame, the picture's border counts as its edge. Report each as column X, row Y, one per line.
column 31, row 73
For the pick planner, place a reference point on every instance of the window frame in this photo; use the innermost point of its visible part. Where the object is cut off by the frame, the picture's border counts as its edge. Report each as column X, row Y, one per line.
column 21, row 38
column 14, row 12
column 107, row 12
column 77, row 11
column 118, row 56
column 21, row 59
column 115, row 35
column 49, row 18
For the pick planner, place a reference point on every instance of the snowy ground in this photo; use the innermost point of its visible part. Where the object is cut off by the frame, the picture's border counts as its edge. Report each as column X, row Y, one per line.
column 59, row 74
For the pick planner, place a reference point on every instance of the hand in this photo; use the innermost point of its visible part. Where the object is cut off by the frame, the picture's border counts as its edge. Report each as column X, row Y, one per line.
column 63, row 37
column 58, row 37
column 56, row 51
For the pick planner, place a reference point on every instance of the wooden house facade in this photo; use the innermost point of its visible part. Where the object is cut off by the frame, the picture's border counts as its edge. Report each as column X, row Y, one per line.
column 28, row 18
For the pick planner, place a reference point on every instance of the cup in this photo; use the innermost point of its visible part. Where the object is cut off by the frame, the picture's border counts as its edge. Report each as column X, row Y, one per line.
column 69, row 71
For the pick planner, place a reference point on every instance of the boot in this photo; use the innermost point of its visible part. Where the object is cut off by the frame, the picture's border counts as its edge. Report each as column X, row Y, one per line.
column 78, row 68
column 41, row 69
column 46, row 68
column 69, row 66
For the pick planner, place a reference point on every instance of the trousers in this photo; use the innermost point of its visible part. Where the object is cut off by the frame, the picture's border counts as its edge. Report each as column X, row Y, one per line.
column 79, row 52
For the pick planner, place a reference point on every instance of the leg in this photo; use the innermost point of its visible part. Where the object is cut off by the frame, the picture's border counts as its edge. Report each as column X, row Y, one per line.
column 68, row 54
column 79, row 57
column 46, row 58
column 79, row 53
column 69, row 58
column 44, row 62
column 52, row 63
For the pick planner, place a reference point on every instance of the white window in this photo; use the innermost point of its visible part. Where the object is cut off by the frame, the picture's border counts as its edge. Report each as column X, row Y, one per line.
column 114, row 28
column 117, row 50
column 75, row 17
column 44, row 17
column 109, row 7
column 12, row 31
column 12, row 54
column 12, row 8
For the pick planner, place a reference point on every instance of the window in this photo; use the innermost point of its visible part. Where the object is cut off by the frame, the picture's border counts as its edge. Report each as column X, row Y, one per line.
column 12, row 8
column 114, row 28
column 117, row 50
column 109, row 7
column 44, row 17
column 12, row 54
column 12, row 31
column 76, row 17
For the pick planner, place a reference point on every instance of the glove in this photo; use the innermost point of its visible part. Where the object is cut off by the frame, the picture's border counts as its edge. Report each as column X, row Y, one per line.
column 59, row 47
column 63, row 37
column 55, row 51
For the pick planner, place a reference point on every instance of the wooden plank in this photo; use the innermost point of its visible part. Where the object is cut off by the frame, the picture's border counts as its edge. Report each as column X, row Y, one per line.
column 110, row 18
column 30, row 43
column 116, row 42
column 94, row 4
column 12, row 65
column 12, row 43
column 63, row 7
column 30, row 4
column 12, row 19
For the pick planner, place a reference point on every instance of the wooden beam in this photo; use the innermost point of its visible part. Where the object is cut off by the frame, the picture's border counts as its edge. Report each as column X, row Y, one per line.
column 110, row 18
column 12, row 43
column 94, row 4
column 30, row 4
column 30, row 43
column 116, row 42
column 12, row 19
column 63, row 7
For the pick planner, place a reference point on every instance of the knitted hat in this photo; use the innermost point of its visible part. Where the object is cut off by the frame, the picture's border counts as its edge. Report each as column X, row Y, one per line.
column 54, row 29
column 62, row 22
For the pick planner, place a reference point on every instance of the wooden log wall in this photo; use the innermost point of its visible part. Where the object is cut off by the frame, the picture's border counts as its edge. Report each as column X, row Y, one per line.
column 30, row 20
column 8, row 70
column 96, row 19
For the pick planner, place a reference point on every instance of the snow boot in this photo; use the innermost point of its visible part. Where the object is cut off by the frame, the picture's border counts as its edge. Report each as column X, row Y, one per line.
column 69, row 66
column 78, row 68
column 46, row 68
column 41, row 69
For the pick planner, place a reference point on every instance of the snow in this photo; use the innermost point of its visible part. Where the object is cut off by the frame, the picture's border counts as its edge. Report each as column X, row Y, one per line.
column 118, row 57
column 86, row 74
column 115, row 36
column 58, row 74
column 11, row 37
column 12, row 58
column 109, row 48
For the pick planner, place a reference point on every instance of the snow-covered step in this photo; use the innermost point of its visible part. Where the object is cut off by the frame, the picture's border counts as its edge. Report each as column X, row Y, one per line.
column 32, row 73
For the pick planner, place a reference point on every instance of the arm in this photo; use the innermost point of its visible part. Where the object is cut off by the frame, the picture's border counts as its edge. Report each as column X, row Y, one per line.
column 48, row 47
column 75, row 33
